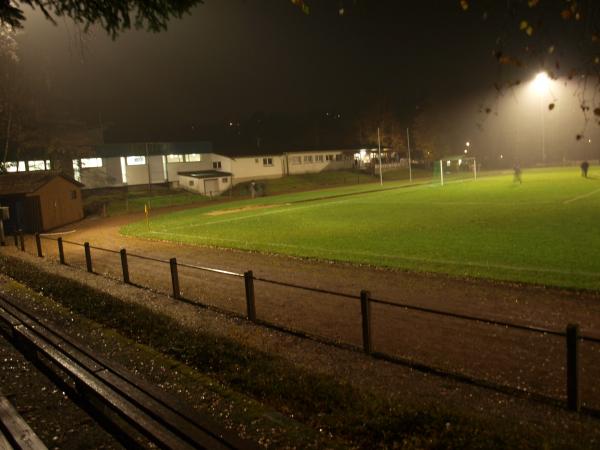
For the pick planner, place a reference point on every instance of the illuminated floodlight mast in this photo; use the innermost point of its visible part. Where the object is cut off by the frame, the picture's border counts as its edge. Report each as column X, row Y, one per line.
column 541, row 85
column 541, row 82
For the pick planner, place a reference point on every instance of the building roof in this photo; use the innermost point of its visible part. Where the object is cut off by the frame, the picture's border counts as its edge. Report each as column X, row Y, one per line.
column 152, row 148
column 28, row 182
column 204, row 174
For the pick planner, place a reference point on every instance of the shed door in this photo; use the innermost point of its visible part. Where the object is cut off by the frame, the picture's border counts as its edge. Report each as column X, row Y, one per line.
column 211, row 186
column 32, row 215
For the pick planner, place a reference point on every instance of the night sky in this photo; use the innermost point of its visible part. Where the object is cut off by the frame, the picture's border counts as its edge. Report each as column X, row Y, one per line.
column 236, row 57
column 231, row 59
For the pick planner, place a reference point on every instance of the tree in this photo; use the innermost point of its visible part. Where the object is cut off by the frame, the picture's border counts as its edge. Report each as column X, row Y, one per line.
column 9, row 108
column 113, row 16
column 391, row 132
column 432, row 134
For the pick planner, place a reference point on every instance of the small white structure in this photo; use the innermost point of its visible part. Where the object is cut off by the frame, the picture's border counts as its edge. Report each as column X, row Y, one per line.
column 205, row 182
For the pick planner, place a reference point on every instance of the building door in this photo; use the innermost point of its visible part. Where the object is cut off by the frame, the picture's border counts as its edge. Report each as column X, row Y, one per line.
column 211, row 187
column 32, row 215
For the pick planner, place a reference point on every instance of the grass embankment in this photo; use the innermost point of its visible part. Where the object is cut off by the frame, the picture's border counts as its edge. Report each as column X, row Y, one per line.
column 323, row 180
column 541, row 231
column 319, row 401
column 123, row 202
column 133, row 200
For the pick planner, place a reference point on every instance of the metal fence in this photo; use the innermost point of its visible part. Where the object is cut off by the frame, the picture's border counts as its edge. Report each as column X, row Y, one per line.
column 570, row 364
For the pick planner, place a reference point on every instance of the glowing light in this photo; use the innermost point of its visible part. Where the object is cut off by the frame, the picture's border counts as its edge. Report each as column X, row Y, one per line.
column 466, row 151
column 501, row 156
column 468, row 144
column 541, row 82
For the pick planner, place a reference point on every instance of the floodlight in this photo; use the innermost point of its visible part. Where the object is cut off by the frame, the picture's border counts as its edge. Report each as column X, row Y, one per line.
column 541, row 82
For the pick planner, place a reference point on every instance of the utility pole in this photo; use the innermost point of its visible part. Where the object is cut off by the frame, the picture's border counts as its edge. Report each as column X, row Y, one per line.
column 409, row 158
column 379, row 145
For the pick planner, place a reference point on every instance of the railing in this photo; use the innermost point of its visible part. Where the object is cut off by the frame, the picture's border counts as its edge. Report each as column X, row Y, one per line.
column 572, row 335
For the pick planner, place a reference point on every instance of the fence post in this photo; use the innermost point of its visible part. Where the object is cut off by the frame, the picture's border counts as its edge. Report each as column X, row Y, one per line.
column 250, row 303
column 61, row 251
column 175, row 278
column 22, row 237
column 365, row 309
column 88, row 257
column 125, row 266
column 38, row 244
column 573, row 388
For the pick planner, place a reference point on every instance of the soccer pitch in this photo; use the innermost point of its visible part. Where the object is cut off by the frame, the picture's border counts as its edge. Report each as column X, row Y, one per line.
column 545, row 230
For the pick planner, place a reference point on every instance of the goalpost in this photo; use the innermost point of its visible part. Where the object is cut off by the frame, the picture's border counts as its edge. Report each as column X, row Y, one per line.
column 454, row 168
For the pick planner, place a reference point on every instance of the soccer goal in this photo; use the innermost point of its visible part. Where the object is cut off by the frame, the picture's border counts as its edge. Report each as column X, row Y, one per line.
column 454, row 168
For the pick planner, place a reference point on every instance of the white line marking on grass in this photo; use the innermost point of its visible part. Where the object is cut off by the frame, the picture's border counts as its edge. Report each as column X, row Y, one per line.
column 579, row 197
column 448, row 262
column 262, row 214
column 292, row 207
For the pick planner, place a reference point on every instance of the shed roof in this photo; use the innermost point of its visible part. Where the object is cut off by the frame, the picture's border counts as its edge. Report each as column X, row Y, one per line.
column 204, row 174
column 28, row 182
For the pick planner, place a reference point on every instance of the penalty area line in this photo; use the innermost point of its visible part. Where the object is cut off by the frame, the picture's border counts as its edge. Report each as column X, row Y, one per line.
column 580, row 197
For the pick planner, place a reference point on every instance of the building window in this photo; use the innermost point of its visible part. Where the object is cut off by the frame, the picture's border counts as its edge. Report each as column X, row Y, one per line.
column 216, row 164
column 307, row 159
column 338, row 157
column 256, row 160
column 37, row 165
column 296, row 160
column 11, row 166
column 193, row 157
column 347, row 157
column 318, row 158
column 73, row 195
column 328, row 157
column 174, row 158
column 91, row 162
column 191, row 183
column 267, row 161
column 136, row 160
column 225, row 180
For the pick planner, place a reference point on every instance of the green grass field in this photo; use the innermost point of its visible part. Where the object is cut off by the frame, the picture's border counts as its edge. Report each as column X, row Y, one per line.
column 546, row 230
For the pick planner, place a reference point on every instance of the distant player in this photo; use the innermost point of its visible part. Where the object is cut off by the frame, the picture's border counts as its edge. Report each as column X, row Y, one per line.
column 584, row 168
column 517, row 177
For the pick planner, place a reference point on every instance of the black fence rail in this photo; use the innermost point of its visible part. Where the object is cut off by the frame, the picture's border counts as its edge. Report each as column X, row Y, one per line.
column 572, row 336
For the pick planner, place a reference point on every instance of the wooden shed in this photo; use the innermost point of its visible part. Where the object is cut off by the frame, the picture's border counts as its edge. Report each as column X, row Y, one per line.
column 40, row 201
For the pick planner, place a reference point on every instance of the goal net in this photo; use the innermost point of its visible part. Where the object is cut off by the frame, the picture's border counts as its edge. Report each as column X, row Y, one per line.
column 454, row 168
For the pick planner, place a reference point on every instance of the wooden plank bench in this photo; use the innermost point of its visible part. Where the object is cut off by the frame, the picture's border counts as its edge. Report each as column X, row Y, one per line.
column 155, row 415
column 15, row 433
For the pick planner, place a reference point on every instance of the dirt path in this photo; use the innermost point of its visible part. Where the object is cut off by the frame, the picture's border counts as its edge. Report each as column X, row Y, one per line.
column 534, row 362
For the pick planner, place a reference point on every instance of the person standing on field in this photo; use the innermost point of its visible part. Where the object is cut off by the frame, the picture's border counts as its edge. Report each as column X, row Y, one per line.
column 584, row 168
column 518, row 172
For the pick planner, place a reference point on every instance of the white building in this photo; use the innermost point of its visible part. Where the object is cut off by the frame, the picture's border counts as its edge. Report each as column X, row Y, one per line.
column 206, row 182
column 131, row 164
